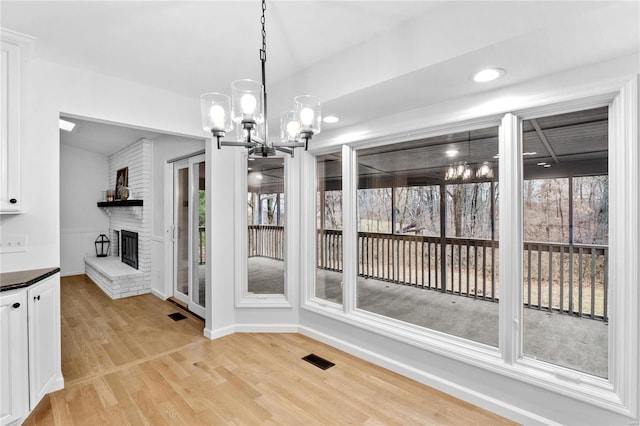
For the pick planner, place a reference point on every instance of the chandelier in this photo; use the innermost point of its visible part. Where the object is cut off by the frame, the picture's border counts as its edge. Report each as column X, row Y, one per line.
column 246, row 109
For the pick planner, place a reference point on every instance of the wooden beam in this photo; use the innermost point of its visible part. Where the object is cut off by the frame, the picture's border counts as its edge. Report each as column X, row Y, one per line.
column 545, row 141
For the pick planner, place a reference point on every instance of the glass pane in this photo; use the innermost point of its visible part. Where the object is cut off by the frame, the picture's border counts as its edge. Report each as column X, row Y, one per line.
column 182, row 223
column 199, row 237
column 565, row 205
column 427, row 248
column 329, row 227
column 266, row 220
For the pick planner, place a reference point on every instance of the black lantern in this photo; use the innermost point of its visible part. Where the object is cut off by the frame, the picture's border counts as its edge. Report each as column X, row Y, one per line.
column 102, row 245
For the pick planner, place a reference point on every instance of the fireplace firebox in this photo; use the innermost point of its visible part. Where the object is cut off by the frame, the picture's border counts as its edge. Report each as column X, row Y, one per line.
column 129, row 248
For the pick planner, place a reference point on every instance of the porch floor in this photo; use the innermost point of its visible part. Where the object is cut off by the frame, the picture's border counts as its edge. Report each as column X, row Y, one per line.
column 572, row 342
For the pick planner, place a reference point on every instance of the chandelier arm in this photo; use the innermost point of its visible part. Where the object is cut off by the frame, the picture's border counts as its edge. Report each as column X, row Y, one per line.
column 288, row 144
column 245, row 144
column 285, row 150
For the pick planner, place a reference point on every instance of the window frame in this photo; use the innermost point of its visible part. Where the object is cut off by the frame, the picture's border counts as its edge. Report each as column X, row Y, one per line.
column 618, row 393
column 244, row 299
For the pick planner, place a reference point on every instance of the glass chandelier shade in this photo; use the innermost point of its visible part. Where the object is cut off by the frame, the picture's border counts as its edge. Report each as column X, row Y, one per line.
column 485, row 171
column 309, row 113
column 246, row 101
column 216, row 108
column 289, row 126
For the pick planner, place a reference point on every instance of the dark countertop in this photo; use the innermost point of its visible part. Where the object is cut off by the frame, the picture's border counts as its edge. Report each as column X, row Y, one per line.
column 20, row 279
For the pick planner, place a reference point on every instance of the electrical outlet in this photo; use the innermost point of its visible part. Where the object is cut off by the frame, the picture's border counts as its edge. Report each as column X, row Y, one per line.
column 13, row 244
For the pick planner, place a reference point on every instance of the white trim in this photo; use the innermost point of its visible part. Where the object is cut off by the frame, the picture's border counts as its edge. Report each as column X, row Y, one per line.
column 481, row 400
column 244, row 299
column 168, row 229
column 624, row 248
column 27, row 43
column 250, row 301
column 308, row 226
column 218, row 332
column 250, row 328
column 159, row 294
column 349, row 228
column 157, row 239
column 510, row 180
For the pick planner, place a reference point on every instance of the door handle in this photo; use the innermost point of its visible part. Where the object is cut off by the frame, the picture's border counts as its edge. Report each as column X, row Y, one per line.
column 16, row 305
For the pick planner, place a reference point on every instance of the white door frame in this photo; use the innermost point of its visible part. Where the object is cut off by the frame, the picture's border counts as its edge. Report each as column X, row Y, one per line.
column 170, row 229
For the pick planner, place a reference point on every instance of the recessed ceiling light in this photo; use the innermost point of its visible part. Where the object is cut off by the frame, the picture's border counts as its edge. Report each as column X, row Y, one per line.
column 259, row 176
column 250, row 168
column 489, row 74
column 547, row 165
column 496, row 156
column 331, row 119
column 451, row 152
column 542, row 164
column 529, row 153
column 252, row 159
column 66, row 125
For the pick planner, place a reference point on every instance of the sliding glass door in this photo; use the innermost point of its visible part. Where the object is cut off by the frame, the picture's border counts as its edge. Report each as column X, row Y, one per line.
column 189, row 221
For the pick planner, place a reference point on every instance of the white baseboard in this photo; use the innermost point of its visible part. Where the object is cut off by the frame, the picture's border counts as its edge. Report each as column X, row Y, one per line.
column 483, row 401
column 159, row 294
column 218, row 332
column 250, row 328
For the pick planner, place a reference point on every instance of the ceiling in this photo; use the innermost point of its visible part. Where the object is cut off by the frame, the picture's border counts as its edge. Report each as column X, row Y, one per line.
column 366, row 59
column 106, row 138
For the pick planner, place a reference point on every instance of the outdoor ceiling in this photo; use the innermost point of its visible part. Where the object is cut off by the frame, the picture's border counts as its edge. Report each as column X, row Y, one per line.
column 366, row 59
column 576, row 144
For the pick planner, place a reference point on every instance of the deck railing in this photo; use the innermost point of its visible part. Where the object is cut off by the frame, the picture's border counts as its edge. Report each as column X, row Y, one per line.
column 564, row 278
column 266, row 241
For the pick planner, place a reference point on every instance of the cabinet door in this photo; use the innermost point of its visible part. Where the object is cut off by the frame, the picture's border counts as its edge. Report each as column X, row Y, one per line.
column 44, row 337
column 10, row 196
column 14, row 375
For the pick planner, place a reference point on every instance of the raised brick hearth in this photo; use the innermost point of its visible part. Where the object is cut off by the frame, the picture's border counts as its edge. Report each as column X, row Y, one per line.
column 114, row 277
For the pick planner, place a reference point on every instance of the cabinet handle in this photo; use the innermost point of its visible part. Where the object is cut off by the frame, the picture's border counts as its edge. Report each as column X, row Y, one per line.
column 16, row 305
column 13, row 201
column 36, row 297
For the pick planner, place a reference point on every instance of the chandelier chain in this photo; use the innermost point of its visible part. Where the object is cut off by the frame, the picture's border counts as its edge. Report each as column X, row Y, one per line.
column 264, row 31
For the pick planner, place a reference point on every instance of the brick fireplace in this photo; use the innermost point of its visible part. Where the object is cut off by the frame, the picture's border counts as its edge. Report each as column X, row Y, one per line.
column 127, row 271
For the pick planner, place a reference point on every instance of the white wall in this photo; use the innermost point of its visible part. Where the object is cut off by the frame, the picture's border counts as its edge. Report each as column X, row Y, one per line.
column 165, row 147
column 83, row 175
column 49, row 90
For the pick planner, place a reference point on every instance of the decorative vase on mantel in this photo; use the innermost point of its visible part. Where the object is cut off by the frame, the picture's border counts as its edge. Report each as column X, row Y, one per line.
column 124, row 193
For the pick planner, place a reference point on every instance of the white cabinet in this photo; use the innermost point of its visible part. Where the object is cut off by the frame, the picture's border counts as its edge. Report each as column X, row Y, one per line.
column 10, row 196
column 15, row 50
column 30, row 347
column 44, row 338
column 14, row 373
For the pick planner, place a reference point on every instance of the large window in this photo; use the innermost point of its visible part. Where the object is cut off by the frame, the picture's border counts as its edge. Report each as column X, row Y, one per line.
column 427, row 249
column 551, row 298
column 565, row 231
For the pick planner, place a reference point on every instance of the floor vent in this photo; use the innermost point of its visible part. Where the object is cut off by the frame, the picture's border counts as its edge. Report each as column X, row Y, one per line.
column 318, row 362
column 177, row 316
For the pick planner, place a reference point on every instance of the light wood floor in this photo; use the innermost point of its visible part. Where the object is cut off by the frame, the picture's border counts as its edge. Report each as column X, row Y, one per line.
column 126, row 362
